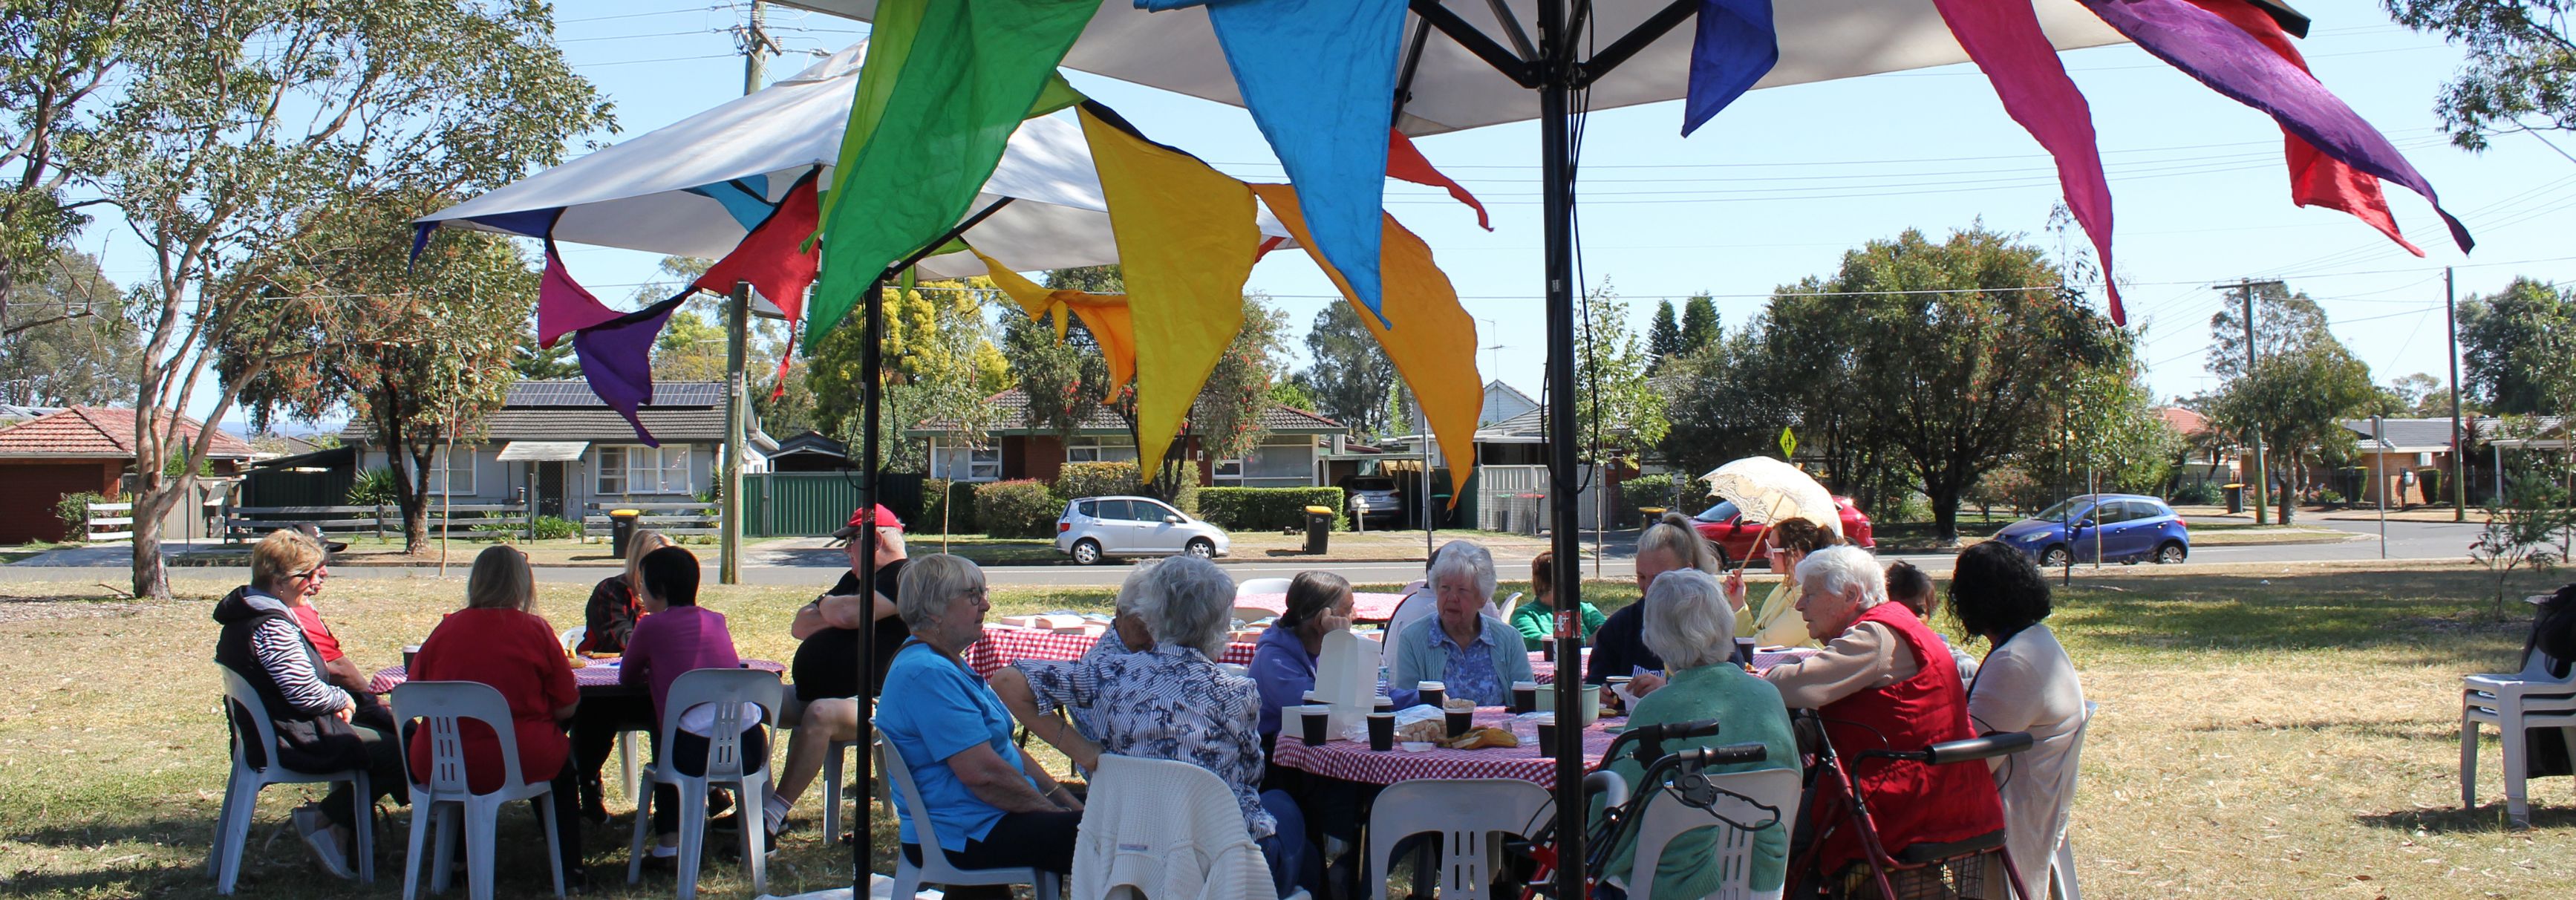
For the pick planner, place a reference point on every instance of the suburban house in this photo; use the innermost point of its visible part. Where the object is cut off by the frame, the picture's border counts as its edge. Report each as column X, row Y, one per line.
column 557, row 438
column 1293, row 455
column 2402, row 448
column 87, row 448
column 811, row 452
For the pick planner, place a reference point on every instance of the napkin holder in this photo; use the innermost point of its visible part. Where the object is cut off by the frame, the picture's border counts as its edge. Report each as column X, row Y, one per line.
column 1346, row 680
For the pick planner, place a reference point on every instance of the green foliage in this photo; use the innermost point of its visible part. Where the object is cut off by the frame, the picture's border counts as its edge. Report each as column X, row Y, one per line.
column 1349, row 374
column 2330, row 497
column 2524, row 527
column 1096, row 479
column 68, row 340
column 534, row 363
column 941, row 366
column 948, row 507
column 2107, row 425
column 2197, row 493
column 73, row 511
column 1726, row 404
column 1700, row 325
column 2514, row 347
column 1663, row 334
column 553, row 528
column 1019, row 508
column 2302, row 386
column 2521, row 64
column 1648, row 490
column 1291, row 393
column 1261, row 509
column 1616, row 405
column 374, row 486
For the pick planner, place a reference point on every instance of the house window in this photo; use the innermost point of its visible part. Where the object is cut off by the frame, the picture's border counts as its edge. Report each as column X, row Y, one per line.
column 1229, row 472
column 451, row 476
column 1095, row 449
column 644, row 470
column 984, row 464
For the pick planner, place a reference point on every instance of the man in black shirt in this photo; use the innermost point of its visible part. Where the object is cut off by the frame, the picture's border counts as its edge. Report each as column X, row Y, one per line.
column 826, row 669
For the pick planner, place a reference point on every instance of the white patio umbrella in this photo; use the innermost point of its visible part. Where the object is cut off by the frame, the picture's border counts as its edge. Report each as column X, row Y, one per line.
column 1768, row 490
column 1472, row 63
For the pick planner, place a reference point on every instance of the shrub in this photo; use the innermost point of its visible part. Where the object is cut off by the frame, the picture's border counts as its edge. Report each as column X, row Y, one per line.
column 1260, row 509
column 947, row 507
column 1097, row 479
column 2197, row 493
column 550, row 528
column 1649, row 490
column 2330, row 497
column 372, row 487
column 2431, row 481
column 73, row 510
column 1019, row 508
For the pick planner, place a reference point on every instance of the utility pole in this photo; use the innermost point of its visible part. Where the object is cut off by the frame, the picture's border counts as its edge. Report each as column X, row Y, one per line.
column 755, row 42
column 2262, row 486
column 2459, row 445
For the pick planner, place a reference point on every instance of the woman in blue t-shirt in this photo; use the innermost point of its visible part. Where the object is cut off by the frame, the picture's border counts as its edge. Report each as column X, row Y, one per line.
column 987, row 805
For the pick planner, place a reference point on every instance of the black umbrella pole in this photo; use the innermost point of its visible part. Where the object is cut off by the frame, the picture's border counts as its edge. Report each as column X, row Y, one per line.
column 872, row 390
column 1557, row 177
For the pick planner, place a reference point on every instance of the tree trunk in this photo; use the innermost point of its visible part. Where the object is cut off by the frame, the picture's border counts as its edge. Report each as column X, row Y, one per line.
column 416, row 527
column 1945, row 515
column 153, row 497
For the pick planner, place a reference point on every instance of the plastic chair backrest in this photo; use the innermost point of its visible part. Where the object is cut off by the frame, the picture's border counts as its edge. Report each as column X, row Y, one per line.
column 1261, row 586
column 444, row 706
column 1666, row 817
column 237, row 691
column 1127, row 779
column 728, row 689
column 1465, row 812
column 571, row 637
column 901, row 774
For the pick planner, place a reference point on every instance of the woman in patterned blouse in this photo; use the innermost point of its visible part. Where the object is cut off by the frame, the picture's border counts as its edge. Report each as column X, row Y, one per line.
column 1172, row 702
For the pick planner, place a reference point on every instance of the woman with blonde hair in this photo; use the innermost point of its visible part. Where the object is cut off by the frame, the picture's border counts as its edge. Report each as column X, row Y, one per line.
column 1619, row 646
column 499, row 640
column 615, row 604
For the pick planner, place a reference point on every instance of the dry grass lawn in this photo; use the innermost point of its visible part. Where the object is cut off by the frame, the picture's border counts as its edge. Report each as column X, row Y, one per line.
column 2265, row 732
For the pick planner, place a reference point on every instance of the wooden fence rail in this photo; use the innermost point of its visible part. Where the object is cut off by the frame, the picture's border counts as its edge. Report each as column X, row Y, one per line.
column 106, row 528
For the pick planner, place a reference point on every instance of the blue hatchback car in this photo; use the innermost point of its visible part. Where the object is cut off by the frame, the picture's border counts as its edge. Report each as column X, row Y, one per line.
column 2124, row 528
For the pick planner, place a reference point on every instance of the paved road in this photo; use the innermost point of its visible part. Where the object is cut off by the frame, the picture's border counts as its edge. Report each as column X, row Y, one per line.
column 817, row 568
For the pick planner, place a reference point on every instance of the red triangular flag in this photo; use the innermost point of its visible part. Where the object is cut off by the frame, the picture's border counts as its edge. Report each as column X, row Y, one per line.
column 1405, row 161
column 769, row 257
column 2315, row 178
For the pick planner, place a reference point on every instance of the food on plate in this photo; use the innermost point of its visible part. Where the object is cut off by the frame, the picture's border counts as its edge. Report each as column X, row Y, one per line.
column 1477, row 738
column 1425, row 730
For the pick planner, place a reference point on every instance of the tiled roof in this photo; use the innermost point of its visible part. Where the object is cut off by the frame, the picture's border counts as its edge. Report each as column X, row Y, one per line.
column 90, row 431
column 1013, row 406
column 2407, row 435
column 567, row 411
column 2183, row 421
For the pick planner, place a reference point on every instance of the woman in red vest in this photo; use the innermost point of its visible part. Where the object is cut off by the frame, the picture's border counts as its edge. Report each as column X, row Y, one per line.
column 1883, row 682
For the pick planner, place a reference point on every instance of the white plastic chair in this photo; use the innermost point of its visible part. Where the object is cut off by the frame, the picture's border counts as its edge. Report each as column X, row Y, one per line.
column 832, row 788
column 727, row 690
column 1261, row 586
column 1470, row 814
column 1151, row 783
column 1666, row 817
column 2061, row 865
column 2514, row 704
column 241, row 789
column 934, row 867
column 439, row 805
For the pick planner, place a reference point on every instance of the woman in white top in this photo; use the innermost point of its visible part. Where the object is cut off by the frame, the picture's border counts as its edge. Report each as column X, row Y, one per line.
column 2025, row 684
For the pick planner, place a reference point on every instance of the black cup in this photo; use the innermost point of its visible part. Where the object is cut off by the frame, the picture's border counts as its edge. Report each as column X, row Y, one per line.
column 1524, row 698
column 1383, row 704
column 407, row 657
column 1435, row 697
column 1315, row 722
column 1547, row 649
column 1744, row 652
column 1547, row 739
column 1381, row 726
column 1461, row 721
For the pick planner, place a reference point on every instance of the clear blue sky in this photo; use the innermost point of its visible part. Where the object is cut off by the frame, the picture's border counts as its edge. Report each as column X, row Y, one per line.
column 1783, row 182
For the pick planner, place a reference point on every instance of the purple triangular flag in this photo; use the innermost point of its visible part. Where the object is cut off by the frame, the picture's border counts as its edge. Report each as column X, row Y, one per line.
column 617, row 359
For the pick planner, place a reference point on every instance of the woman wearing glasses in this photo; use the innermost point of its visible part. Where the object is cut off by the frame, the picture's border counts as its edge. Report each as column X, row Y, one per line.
column 1774, row 622
column 264, row 644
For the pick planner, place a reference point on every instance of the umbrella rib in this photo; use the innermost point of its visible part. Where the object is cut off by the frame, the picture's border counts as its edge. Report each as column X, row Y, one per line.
column 1523, row 72
column 950, row 235
column 1647, row 32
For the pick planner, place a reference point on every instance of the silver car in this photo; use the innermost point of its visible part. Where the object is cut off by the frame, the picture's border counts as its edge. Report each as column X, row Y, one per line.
column 1096, row 528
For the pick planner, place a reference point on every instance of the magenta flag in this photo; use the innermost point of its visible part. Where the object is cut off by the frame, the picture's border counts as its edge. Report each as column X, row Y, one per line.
column 2004, row 38
column 2235, row 63
column 563, row 304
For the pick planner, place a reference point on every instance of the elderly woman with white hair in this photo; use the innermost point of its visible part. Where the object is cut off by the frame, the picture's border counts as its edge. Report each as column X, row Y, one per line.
column 1690, row 624
column 1171, row 701
column 994, row 808
column 1883, row 682
column 1475, row 656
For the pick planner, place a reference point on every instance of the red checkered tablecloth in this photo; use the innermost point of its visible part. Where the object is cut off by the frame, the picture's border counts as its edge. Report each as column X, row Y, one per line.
column 1365, row 607
column 1003, row 645
column 1762, row 659
column 598, row 677
column 1354, row 761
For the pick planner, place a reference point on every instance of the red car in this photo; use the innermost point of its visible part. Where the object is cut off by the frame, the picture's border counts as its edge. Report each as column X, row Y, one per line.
column 1727, row 528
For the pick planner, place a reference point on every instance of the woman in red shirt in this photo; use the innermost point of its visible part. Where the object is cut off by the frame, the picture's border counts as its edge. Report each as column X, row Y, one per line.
column 497, row 640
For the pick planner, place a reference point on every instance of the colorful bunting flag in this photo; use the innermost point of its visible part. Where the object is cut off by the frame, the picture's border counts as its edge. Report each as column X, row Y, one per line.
column 770, row 257
column 617, row 359
column 2233, row 62
column 563, row 305
column 1435, row 352
column 2004, row 38
column 1405, row 161
column 969, row 73
column 1318, row 76
column 1736, row 45
column 1186, row 237
column 1105, row 315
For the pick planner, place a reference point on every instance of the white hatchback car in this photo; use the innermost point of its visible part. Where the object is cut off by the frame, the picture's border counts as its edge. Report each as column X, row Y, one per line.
column 1096, row 528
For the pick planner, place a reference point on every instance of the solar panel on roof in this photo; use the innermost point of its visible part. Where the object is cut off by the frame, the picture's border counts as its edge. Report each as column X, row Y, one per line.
column 577, row 393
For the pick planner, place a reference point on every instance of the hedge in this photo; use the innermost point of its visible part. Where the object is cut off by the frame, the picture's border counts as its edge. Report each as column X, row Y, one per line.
column 1097, row 479
column 953, row 500
column 1019, row 508
column 1261, row 509
column 1649, row 490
